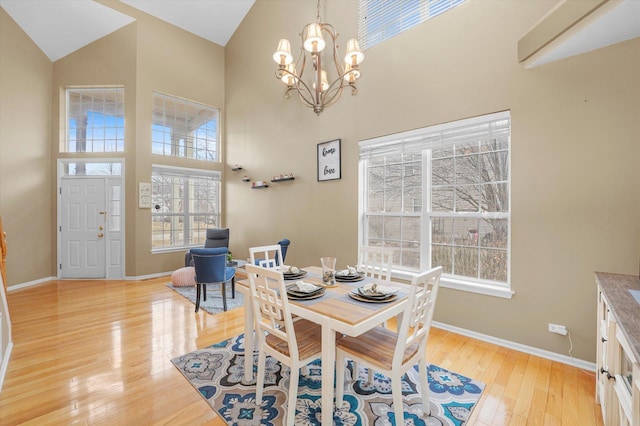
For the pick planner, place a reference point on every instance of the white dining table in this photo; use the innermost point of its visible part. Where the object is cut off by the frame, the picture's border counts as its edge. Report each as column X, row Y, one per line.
column 336, row 312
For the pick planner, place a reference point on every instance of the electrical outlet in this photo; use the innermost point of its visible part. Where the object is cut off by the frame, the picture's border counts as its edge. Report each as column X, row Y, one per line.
column 558, row 329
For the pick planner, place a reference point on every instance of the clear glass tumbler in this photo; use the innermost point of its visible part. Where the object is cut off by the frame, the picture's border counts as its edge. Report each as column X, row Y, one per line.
column 328, row 270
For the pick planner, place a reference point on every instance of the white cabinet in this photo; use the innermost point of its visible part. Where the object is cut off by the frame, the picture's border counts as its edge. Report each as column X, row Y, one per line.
column 618, row 371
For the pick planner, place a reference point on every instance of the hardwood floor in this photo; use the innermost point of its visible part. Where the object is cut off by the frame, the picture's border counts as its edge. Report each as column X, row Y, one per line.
column 98, row 352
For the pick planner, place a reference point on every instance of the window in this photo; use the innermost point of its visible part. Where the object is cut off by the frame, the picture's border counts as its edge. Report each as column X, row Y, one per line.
column 183, row 128
column 185, row 203
column 379, row 20
column 95, row 120
column 440, row 196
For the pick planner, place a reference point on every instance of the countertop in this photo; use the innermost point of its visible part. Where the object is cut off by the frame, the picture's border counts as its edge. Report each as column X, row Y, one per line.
column 623, row 305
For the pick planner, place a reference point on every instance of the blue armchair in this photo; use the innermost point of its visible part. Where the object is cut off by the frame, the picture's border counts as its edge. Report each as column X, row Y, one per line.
column 284, row 245
column 215, row 237
column 211, row 268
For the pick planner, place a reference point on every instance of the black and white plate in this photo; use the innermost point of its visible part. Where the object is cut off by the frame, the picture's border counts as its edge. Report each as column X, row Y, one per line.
column 297, row 276
column 350, row 278
column 354, row 294
column 294, row 293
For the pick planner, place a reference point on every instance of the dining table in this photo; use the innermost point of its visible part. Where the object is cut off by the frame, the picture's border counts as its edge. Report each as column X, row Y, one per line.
column 336, row 312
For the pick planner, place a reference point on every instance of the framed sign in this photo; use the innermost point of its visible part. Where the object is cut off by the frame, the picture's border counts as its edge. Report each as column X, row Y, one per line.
column 329, row 160
column 144, row 195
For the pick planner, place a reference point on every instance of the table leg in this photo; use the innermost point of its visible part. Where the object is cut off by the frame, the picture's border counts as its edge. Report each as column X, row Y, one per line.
column 328, row 370
column 248, row 339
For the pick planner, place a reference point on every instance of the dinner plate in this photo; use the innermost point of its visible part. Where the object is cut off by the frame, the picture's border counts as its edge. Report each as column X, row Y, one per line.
column 307, row 296
column 373, row 294
column 357, row 296
column 349, row 278
column 290, row 276
column 293, row 290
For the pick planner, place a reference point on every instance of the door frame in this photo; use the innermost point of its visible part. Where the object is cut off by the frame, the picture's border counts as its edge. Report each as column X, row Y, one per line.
column 109, row 274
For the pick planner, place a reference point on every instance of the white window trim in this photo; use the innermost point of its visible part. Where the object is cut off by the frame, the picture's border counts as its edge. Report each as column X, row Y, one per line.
column 186, row 172
column 457, row 283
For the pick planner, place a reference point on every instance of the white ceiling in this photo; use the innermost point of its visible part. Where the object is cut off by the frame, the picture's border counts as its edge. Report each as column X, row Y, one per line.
column 60, row 27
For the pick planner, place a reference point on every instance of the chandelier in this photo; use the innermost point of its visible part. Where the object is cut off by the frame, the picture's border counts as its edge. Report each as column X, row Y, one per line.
column 316, row 92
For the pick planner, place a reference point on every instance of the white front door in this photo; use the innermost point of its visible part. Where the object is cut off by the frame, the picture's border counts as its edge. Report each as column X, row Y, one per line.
column 83, row 225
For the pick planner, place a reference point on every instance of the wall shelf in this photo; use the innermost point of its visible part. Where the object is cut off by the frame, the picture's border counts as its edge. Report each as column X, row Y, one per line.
column 236, row 168
column 282, row 179
column 259, row 186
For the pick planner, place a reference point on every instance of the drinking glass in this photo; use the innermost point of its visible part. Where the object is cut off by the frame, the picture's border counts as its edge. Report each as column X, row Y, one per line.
column 328, row 270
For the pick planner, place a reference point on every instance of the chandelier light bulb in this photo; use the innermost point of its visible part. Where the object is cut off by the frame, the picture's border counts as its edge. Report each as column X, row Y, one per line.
column 289, row 78
column 351, row 74
column 354, row 56
column 282, row 55
column 313, row 41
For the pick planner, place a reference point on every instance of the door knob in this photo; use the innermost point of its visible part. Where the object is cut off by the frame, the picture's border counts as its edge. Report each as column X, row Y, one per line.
column 100, row 228
column 100, row 235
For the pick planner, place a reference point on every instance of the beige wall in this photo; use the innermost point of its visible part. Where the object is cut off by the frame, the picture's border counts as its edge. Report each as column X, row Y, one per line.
column 148, row 55
column 575, row 192
column 575, row 153
column 25, row 167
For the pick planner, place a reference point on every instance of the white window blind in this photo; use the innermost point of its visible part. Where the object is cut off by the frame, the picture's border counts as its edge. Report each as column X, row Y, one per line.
column 379, row 20
column 440, row 196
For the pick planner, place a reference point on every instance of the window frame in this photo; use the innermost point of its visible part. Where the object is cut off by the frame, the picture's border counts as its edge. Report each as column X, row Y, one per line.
column 187, row 214
column 394, row 144
column 190, row 144
column 118, row 103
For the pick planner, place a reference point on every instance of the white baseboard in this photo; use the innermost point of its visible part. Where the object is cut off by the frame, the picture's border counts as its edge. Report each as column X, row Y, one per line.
column 30, row 284
column 585, row 365
column 5, row 362
column 147, row 277
column 44, row 280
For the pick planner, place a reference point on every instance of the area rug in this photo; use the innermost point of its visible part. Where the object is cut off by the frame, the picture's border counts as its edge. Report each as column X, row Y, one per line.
column 213, row 304
column 217, row 373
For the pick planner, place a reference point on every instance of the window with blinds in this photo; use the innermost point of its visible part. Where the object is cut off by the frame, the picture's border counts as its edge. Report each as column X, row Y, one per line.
column 441, row 196
column 379, row 20
column 185, row 202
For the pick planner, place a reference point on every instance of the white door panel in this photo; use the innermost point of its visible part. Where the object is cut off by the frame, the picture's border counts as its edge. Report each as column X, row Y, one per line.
column 83, row 215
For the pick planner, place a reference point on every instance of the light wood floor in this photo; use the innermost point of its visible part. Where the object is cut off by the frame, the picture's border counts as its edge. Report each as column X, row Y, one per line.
column 98, row 352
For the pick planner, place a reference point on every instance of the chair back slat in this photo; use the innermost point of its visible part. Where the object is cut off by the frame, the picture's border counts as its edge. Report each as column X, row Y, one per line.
column 416, row 320
column 271, row 306
column 266, row 256
column 375, row 262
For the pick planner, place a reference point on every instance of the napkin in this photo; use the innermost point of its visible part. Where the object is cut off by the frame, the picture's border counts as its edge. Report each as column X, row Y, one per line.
column 380, row 289
column 306, row 287
column 349, row 271
column 286, row 269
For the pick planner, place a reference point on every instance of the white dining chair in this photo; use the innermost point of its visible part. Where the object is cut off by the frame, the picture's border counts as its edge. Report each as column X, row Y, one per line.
column 293, row 343
column 266, row 256
column 375, row 262
column 394, row 353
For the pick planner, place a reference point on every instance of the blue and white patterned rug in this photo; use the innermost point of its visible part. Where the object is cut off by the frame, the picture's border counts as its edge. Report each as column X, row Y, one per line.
column 217, row 372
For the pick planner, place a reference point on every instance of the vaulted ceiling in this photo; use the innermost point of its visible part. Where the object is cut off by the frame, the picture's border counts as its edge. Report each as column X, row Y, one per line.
column 60, row 27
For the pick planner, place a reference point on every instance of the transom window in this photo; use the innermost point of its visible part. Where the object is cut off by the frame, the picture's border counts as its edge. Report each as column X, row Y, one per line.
column 95, row 120
column 441, row 196
column 379, row 20
column 185, row 202
column 183, row 128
